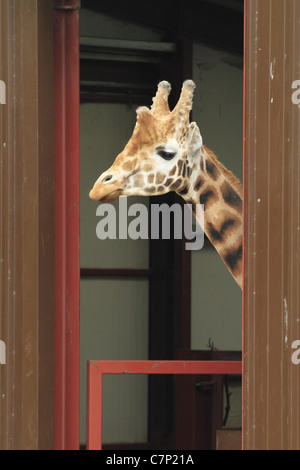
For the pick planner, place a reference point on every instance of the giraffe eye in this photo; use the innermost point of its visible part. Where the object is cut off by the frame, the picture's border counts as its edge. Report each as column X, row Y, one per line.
column 165, row 155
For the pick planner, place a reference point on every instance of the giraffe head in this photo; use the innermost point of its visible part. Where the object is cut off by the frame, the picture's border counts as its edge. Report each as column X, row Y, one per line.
column 160, row 154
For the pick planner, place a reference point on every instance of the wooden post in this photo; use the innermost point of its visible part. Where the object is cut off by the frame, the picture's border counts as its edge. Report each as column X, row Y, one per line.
column 27, row 225
column 272, row 208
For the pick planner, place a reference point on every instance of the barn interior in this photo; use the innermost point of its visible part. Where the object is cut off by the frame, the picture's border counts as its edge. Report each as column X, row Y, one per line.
column 153, row 299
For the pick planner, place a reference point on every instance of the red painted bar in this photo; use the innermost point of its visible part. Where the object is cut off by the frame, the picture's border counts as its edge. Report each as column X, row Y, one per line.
column 66, row 112
column 168, row 367
column 96, row 369
column 94, row 414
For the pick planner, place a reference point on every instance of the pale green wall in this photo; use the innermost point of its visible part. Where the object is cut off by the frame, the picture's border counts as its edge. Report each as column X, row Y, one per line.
column 113, row 313
column 105, row 129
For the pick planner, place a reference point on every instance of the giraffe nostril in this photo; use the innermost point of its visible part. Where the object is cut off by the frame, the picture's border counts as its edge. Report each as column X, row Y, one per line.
column 107, row 178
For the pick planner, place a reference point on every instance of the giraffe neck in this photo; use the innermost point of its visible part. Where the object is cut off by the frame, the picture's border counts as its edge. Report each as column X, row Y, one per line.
column 214, row 186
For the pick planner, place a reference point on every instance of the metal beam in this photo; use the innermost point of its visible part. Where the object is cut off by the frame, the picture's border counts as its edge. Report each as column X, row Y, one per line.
column 153, row 46
column 203, row 20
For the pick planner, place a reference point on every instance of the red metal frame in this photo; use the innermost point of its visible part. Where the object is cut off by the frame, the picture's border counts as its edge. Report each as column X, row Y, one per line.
column 66, row 137
column 96, row 369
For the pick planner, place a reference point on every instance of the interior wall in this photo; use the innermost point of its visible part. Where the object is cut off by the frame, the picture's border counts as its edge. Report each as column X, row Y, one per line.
column 114, row 312
column 105, row 129
column 105, row 26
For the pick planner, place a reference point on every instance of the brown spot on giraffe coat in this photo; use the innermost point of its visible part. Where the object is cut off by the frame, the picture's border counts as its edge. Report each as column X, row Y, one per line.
column 175, row 185
column 151, row 189
column 173, row 171
column 212, row 170
column 231, row 197
column 219, row 231
column 168, row 182
column 233, row 257
column 159, row 178
column 179, row 166
column 128, row 165
column 208, row 197
column 200, row 181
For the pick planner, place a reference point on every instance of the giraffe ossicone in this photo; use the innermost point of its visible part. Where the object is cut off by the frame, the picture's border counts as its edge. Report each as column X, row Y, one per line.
column 166, row 153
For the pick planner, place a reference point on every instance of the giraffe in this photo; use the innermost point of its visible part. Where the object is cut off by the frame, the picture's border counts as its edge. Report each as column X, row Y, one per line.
column 166, row 153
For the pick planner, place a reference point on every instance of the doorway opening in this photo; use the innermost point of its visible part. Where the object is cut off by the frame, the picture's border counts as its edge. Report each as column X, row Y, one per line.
column 152, row 299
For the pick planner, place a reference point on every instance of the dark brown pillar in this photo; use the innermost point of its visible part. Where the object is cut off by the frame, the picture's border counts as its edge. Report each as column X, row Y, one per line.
column 27, row 225
column 272, row 228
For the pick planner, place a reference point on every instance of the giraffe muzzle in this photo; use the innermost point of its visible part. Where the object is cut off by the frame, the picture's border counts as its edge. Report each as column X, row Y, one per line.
column 105, row 189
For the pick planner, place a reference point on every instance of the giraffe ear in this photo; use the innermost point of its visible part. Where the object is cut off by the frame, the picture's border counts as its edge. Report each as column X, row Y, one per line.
column 194, row 139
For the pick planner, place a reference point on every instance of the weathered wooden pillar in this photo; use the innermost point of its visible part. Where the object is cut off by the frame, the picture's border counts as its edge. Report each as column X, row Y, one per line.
column 27, row 225
column 272, row 225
